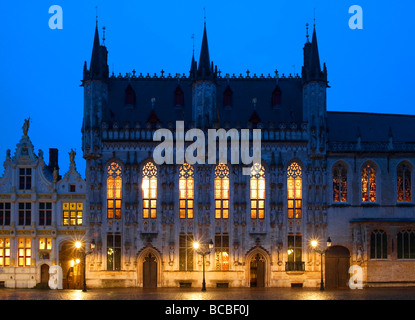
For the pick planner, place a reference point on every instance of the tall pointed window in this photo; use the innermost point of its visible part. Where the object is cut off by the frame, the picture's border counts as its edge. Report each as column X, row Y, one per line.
column 114, row 187
column 368, row 183
column 406, row 244
column 404, row 183
column 294, row 191
column 221, row 191
column 378, row 245
column 339, row 183
column 257, row 191
column 186, row 191
column 149, row 187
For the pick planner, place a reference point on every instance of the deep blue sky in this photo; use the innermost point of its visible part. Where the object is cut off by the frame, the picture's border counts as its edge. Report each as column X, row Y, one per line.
column 370, row 70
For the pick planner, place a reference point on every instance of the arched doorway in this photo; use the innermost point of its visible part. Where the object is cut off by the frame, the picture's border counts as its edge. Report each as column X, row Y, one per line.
column 150, row 271
column 71, row 269
column 337, row 267
column 44, row 274
column 257, row 271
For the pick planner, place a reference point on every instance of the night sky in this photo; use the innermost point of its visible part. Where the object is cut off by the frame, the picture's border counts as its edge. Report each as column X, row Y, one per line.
column 369, row 70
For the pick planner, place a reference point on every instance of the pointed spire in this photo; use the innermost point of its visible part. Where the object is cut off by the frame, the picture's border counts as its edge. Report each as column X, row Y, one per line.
column 204, row 69
column 98, row 68
column 315, row 58
column 95, row 58
column 312, row 68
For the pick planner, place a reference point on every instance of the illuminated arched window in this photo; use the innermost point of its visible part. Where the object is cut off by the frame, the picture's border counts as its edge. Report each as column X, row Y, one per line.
column 339, row 183
column 149, row 187
column 186, row 191
column 404, row 183
column 222, row 191
column 114, row 186
column 257, row 191
column 368, row 183
column 294, row 191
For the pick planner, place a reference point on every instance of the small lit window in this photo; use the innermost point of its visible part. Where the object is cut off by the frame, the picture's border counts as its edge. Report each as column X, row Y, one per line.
column 4, row 252
column 339, row 183
column 186, row 191
column 257, row 190
column 294, row 191
column 72, row 213
column 149, row 187
column 221, row 191
column 368, row 183
column 24, row 255
column 114, row 187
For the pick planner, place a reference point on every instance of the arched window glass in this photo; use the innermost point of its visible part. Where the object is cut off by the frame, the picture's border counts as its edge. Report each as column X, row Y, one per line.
column 294, row 191
column 406, row 244
column 221, row 191
column 114, row 191
column 339, row 183
column 378, row 245
column 368, row 183
column 257, row 191
column 186, row 191
column 149, row 187
column 404, row 189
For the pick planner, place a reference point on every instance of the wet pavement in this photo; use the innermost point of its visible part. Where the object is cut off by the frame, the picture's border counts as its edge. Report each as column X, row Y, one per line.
column 218, row 294
column 215, row 303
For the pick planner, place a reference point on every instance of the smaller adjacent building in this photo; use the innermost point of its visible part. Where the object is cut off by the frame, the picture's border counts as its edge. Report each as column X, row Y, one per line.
column 41, row 215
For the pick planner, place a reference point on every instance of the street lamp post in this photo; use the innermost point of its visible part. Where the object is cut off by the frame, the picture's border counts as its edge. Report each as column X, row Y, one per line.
column 321, row 251
column 203, row 251
column 78, row 246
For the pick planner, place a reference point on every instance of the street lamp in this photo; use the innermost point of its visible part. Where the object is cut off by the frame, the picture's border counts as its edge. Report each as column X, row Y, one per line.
column 314, row 245
column 203, row 251
column 78, row 246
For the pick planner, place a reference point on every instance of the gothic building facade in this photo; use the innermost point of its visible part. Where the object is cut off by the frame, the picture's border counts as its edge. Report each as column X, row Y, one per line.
column 41, row 216
column 339, row 176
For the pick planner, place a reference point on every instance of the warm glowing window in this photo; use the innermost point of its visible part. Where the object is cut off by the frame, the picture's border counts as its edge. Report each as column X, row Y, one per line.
column 222, row 191
column 295, row 253
column 45, row 243
column 186, row 252
column 368, row 183
column 72, row 213
column 257, row 192
column 222, row 252
column 404, row 183
column 24, row 252
column 113, row 251
column 5, row 212
column 378, row 245
column 114, row 186
column 149, row 187
column 294, row 191
column 4, row 252
column 339, row 183
column 186, row 191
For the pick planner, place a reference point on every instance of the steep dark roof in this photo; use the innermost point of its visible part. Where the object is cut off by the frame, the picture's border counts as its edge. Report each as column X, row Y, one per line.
column 243, row 92
column 372, row 127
